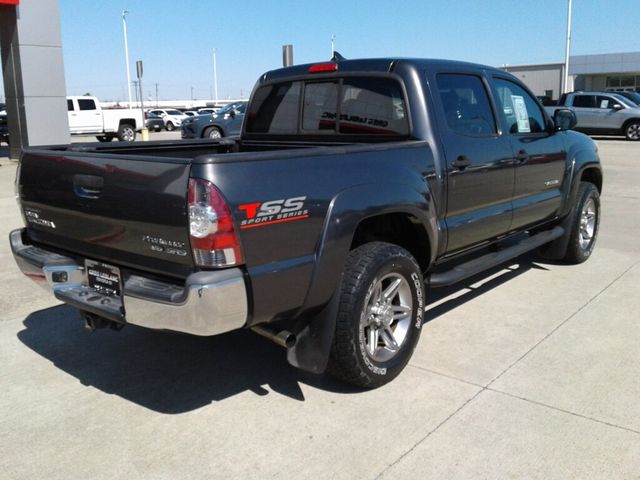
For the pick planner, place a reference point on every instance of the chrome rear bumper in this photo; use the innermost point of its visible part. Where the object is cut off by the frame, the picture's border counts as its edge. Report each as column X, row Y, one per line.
column 208, row 303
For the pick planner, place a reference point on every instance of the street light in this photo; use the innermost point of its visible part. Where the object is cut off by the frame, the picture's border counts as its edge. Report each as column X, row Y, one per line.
column 215, row 75
column 565, row 83
column 126, row 52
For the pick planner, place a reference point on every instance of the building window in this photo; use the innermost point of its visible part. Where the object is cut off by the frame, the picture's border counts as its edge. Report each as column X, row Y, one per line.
column 623, row 81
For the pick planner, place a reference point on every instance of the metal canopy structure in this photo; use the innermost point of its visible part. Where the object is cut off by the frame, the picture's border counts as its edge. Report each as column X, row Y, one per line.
column 33, row 73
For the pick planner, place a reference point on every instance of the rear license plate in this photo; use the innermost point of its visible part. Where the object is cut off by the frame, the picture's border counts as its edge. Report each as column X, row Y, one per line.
column 103, row 278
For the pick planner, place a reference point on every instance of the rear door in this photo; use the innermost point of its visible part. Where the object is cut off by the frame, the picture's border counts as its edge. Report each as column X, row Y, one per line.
column 539, row 154
column 480, row 170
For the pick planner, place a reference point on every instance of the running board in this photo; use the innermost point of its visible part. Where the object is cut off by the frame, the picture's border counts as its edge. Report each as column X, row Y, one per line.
column 490, row 260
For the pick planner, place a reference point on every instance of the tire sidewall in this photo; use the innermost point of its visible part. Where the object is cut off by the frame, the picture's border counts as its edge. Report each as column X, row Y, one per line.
column 394, row 260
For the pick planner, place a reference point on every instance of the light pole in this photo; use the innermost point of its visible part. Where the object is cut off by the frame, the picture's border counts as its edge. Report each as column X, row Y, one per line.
column 333, row 45
column 215, row 75
column 126, row 52
column 565, row 80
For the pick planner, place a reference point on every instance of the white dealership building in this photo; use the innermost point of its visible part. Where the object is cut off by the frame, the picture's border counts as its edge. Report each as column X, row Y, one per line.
column 610, row 71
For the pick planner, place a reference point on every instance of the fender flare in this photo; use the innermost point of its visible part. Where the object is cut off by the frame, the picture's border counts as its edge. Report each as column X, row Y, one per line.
column 314, row 331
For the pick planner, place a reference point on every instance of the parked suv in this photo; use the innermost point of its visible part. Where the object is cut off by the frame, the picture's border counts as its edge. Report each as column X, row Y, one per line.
column 602, row 113
column 226, row 122
column 172, row 118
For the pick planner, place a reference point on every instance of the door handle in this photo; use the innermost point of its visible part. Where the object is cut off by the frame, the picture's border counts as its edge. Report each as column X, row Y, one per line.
column 461, row 162
column 522, row 156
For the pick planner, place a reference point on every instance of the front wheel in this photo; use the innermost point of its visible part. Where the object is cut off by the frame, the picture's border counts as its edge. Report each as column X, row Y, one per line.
column 632, row 131
column 170, row 127
column 585, row 225
column 380, row 315
column 212, row 132
column 126, row 133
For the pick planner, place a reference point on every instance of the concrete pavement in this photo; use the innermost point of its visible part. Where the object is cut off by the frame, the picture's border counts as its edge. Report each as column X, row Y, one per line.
column 529, row 371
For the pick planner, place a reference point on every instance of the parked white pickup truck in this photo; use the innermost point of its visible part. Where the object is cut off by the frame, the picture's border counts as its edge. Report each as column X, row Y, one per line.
column 87, row 117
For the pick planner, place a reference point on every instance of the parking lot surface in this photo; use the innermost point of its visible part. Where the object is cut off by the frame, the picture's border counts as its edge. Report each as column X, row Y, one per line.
column 527, row 371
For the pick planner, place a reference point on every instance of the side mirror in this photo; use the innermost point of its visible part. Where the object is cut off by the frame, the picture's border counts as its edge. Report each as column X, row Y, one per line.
column 564, row 119
column 617, row 106
column 232, row 114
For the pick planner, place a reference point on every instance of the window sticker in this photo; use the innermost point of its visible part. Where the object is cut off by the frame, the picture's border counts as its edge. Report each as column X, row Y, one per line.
column 604, row 103
column 521, row 113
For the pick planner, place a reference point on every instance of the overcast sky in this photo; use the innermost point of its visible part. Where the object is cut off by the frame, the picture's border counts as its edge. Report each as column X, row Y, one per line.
column 175, row 39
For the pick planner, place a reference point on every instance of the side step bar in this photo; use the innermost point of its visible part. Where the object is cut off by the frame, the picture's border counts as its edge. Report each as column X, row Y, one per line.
column 490, row 260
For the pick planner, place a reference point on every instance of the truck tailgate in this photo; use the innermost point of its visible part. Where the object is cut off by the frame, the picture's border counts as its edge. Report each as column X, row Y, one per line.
column 126, row 210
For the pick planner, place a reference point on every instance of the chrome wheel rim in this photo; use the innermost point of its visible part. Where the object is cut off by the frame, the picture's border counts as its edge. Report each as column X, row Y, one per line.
column 215, row 133
column 386, row 317
column 633, row 131
column 588, row 218
column 127, row 134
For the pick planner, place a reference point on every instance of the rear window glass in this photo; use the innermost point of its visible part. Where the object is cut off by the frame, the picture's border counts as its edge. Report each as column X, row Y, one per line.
column 353, row 106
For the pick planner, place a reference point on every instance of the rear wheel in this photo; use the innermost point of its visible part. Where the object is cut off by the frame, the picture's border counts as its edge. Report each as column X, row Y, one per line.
column 212, row 132
column 126, row 133
column 380, row 315
column 170, row 127
column 632, row 131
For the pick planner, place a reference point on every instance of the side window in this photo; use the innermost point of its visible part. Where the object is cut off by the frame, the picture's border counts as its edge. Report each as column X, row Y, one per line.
column 466, row 104
column 275, row 109
column 584, row 101
column 70, row 105
column 606, row 102
column 86, row 104
column 522, row 112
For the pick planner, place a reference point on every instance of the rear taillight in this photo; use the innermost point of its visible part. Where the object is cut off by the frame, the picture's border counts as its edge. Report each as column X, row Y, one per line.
column 214, row 240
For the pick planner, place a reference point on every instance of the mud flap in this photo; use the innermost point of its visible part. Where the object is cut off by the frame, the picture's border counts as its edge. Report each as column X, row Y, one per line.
column 314, row 339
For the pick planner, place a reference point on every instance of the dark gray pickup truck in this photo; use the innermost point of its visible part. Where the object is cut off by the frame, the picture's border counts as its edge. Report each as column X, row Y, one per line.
column 355, row 187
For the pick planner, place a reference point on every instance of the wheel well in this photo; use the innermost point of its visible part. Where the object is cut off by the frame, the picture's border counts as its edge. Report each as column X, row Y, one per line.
column 631, row 120
column 593, row 175
column 397, row 228
column 127, row 121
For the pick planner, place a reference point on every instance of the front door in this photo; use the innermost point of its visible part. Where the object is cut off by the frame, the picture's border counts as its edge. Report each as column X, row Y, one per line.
column 480, row 170
column 539, row 153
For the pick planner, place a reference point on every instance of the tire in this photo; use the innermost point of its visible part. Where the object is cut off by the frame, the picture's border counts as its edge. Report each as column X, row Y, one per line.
column 370, row 346
column 170, row 127
column 584, row 228
column 104, row 138
column 632, row 131
column 212, row 132
column 126, row 133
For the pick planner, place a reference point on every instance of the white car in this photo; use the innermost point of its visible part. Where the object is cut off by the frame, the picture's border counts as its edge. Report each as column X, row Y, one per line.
column 172, row 118
column 208, row 110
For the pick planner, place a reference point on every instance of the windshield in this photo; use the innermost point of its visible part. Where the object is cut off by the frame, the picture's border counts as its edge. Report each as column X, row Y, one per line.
column 226, row 109
column 634, row 97
column 625, row 101
column 174, row 112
